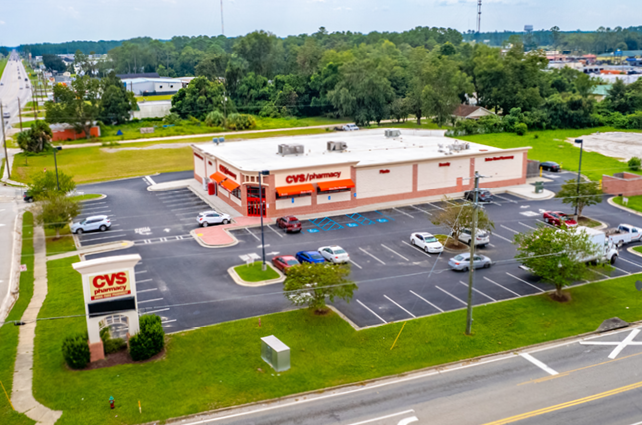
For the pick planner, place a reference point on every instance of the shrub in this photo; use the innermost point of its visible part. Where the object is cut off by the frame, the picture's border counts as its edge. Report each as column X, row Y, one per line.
column 634, row 163
column 111, row 345
column 215, row 119
column 75, row 350
column 194, row 120
column 634, row 121
column 521, row 129
column 149, row 341
column 172, row 118
column 269, row 111
column 240, row 122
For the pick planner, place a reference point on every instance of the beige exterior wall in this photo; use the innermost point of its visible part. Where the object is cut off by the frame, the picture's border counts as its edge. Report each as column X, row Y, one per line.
column 371, row 182
column 301, row 201
column 306, row 175
column 501, row 169
column 199, row 166
column 334, row 197
column 235, row 171
column 236, row 200
column 431, row 176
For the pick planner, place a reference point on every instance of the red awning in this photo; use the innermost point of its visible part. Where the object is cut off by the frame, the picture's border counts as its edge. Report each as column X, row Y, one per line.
column 298, row 189
column 230, row 185
column 336, row 185
column 218, row 177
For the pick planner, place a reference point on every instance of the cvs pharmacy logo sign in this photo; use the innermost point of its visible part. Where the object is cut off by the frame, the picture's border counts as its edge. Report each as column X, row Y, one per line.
column 109, row 285
column 297, row 178
column 109, row 279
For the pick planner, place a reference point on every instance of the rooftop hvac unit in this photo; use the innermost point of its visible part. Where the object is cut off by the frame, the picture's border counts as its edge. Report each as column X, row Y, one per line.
column 290, row 149
column 393, row 133
column 337, row 146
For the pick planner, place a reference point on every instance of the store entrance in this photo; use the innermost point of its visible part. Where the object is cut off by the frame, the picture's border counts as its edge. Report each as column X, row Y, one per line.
column 255, row 201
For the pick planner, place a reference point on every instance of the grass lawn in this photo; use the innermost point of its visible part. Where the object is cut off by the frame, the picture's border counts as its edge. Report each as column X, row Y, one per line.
column 3, row 63
column 325, row 351
column 254, row 272
column 635, row 202
column 64, row 243
column 86, row 197
column 9, row 332
column 550, row 146
column 585, row 221
column 152, row 98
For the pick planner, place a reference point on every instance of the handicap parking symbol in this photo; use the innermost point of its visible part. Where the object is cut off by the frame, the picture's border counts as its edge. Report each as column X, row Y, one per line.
column 352, row 224
column 382, row 220
column 313, row 230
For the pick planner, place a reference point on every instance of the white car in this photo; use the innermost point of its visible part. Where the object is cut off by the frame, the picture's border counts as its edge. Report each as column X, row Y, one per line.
column 206, row 218
column 96, row 222
column 350, row 127
column 482, row 238
column 334, row 254
column 427, row 242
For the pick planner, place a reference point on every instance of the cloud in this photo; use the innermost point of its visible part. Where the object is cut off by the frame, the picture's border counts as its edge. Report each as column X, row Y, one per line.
column 70, row 11
column 2, row 22
column 342, row 8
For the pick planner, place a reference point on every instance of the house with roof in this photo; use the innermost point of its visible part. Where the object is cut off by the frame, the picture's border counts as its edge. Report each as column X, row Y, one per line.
column 470, row 112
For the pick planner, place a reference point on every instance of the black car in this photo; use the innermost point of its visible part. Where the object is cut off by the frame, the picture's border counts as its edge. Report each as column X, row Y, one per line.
column 550, row 166
column 483, row 195
column 27, row 196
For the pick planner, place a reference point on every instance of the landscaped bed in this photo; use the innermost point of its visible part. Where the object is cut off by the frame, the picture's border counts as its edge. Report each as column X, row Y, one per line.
column 254, row 272
column 220, row 365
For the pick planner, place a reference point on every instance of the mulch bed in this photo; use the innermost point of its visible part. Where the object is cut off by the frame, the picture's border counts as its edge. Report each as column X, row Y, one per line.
column 121, row 357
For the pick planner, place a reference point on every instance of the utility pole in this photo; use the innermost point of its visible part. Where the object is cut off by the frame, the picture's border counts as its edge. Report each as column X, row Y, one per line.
column 4, row 141
column 579, row 175
column 222, row 25
column 35, row 102
column 471, row 267
column 262, row 201
column 20, row 113
column 479, row 4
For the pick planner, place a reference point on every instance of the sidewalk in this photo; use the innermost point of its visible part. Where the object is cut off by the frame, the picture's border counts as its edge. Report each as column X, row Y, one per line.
column 93, row 249
column 22, row 394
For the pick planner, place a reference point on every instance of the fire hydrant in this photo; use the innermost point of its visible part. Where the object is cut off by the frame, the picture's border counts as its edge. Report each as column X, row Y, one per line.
column 111, row 402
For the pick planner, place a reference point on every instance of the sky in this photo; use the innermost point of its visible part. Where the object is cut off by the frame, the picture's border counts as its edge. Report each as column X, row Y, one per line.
column 37, row 21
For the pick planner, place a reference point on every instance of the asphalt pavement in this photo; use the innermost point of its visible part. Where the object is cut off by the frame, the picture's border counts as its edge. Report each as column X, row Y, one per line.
column 13, row 87
column 188, row 285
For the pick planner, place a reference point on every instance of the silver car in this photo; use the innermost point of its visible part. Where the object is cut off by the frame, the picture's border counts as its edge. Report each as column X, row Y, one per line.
column 96, row 222
column 206, row 218
column 482, row 239
column 461, row 262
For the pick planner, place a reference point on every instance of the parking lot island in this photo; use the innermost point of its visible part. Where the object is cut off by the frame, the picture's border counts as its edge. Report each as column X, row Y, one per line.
column 247, row 274
column 220, row 236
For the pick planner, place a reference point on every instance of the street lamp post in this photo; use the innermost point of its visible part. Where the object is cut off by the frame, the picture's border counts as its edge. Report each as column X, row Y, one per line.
column 579, row 173
column 261, row 200
column 55, row 149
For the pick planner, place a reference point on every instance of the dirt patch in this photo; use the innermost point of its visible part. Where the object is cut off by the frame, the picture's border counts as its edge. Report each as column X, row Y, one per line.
column 564, row 297
column 121, row 357
column 622, row 146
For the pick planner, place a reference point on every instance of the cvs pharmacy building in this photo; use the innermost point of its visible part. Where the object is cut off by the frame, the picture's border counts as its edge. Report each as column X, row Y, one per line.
column 340, row 171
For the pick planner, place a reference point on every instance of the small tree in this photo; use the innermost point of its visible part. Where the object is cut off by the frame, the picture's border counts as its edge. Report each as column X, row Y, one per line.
column 556, row 255
column 589, row 194
column 150, row 340
column 44, row 184
column 311, row 284
column 75, row 351
column 36, row 139
column 634, row 163
column 459, row 217
column 55, row 211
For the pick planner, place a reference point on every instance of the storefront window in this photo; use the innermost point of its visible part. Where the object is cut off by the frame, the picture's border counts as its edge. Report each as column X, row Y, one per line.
column 237, row 192
column 327, row 192
column 253, row 192
column 299, row 195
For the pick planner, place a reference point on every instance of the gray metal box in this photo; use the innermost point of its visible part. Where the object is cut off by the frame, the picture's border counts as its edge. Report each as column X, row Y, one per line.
column 275, row 353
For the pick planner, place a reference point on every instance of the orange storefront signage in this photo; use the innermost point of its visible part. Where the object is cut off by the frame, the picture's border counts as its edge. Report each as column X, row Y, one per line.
column 109, row 285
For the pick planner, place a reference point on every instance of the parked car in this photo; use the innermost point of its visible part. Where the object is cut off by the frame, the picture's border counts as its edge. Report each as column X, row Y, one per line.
column 550, row 166
column 290, row 223
column 309, row 257
column 334, row 254
column 482, row 238
column 206, row 218
column 624, row 233
column 350, row 127
column 27, row 196
column 284, row 262
column 483, row 195
column 462, row 262
column 427, row 242
column 26, row 79
column 96, row 222
column 556, row 218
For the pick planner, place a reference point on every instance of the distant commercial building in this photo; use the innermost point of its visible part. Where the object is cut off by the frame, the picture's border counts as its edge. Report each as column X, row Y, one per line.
column 152, row 86
column 63, row 132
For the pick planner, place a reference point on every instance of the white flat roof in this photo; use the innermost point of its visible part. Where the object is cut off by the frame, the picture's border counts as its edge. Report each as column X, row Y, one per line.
column 365, row 148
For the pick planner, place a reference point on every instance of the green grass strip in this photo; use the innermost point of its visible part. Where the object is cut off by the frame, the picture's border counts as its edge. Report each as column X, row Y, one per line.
column 9, row 332
column 255, row 273
column 220, row 365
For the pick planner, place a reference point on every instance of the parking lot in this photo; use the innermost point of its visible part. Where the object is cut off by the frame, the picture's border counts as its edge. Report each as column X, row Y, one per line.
column 188, row 285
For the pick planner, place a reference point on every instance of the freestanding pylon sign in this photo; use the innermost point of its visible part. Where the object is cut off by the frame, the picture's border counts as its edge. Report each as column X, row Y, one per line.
column 109, row 287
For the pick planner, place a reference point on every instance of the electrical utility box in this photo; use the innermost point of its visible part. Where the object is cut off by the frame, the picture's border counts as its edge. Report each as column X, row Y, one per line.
column 275, row 353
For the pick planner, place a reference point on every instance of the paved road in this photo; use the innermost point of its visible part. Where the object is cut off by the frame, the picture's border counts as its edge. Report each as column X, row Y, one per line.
column 569, row 383
column 13, row 87
column 396, row 281
column 9, row 203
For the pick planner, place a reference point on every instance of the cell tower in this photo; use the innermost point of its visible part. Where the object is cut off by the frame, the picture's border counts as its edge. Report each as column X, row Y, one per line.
column 222, row 25
column 479, row 16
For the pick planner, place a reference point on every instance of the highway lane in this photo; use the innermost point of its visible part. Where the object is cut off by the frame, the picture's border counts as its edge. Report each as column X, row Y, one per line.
column 567, row 383
column 13, row 87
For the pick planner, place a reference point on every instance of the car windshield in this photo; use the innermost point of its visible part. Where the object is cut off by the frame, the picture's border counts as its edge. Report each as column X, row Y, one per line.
column 294, row 221
column 431, row 239
column 292, row 262
column 315, row 255
column 460, row 257
column 339, row 251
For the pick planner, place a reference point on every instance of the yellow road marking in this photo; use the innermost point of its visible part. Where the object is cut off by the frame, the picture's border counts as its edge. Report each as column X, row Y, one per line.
column 566, row 405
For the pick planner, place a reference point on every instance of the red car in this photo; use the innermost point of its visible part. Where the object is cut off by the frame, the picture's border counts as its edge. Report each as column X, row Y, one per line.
column 284, row 262
column 556, row 218
column 290, row 223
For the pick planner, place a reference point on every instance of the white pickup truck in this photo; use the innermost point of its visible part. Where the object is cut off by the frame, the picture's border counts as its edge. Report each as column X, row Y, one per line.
column 623, row 234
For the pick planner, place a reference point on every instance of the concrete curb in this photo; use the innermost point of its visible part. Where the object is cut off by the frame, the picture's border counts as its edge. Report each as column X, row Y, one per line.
column 95, row 199
column 242, row 282
column 633, row 251
column 205, row 245
column 13, row 291
column 550, row 195
column 610, row 201
column 93, row 249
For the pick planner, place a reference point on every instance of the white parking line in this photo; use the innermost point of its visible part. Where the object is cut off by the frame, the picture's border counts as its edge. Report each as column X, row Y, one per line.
column 390, row 299
column 167, row 321
column 505, row 199
column 143, row 281
column 193, row 212
column 448, row 293
column 623, row 271
column 150, row 180
column 526, row 225
column 522, row 280
column 414, row 247
column 91, row 213
column 491, row 245
column 195, row 203
column 155, row 311
column 630, row 262
column 367, row 253
column 601, row 274
column 384, row 417
column 185, row 208
column 538, row 363
column 272, row 229
column 146, row 290
column 501, row 237
column 95, row 208
column 255, row 237
column 479, row 292
column 542, row 221
column 142, row 271
column 356, row 264
column 97, row 239
column 150, row 301
column 419, row 209
column 367, row 308
column 501, row 286
column 432, row 205
column 404, row 213
column 188, row 219
column 423, row 299
column 508, row 228
column 395, row 252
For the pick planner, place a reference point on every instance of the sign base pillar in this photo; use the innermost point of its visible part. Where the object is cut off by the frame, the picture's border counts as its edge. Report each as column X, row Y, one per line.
column 96, row 351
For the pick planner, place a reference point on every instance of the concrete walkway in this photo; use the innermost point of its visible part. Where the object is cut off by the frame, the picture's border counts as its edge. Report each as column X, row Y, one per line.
column 22, row 393
column 93, row 249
